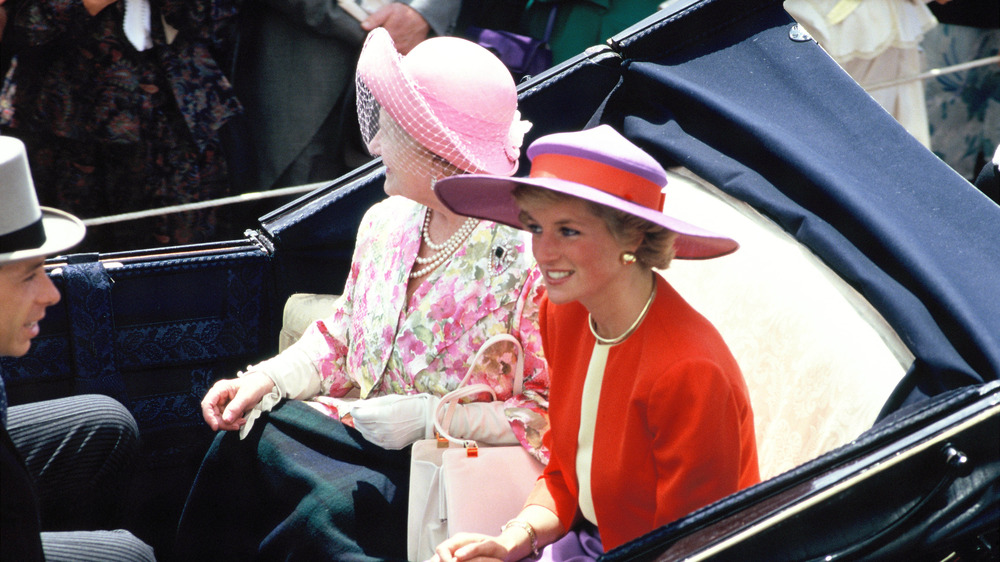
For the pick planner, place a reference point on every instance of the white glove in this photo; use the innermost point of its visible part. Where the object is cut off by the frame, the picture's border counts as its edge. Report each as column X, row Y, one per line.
column 396, row 420
column 484, row 422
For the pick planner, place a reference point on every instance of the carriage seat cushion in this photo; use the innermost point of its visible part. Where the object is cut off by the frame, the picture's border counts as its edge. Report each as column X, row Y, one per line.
column 818, row 360
column 301, row 310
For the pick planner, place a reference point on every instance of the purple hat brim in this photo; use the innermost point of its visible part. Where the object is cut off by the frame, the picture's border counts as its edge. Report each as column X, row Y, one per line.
column 491, row 198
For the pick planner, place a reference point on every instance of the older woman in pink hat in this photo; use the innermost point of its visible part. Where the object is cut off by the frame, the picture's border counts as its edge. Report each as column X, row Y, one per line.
column 650, row 416
column 427, row 288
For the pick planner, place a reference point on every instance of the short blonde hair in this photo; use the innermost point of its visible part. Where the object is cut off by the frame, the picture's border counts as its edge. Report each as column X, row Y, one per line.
column 655, row 248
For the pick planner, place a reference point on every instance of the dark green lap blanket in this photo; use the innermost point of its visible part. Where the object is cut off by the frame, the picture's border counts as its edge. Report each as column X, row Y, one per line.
column 301, row 486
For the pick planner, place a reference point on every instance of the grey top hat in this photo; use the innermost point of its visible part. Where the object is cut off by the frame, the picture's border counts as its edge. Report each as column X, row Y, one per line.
column 28, row 230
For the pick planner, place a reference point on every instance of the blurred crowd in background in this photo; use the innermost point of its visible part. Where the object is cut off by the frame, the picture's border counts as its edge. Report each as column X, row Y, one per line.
column 127, row 105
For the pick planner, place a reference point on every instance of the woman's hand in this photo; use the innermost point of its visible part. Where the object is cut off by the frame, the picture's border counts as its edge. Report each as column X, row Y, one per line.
column 225, row 404
column 532, row 529
column 471, row 546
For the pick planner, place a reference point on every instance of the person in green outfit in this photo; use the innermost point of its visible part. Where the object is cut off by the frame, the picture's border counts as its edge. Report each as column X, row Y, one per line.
column 584, row 23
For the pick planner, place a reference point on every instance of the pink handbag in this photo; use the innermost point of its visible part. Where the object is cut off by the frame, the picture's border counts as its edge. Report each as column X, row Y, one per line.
column 458, row 486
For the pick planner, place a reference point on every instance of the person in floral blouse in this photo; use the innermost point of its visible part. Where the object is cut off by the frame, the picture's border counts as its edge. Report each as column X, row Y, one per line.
column 326, row 473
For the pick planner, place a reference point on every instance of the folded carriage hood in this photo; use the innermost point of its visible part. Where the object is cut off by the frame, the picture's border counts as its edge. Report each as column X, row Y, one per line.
column 730, row 90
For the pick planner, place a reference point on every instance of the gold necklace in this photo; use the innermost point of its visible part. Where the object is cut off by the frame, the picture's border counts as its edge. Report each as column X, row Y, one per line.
column 632, row 328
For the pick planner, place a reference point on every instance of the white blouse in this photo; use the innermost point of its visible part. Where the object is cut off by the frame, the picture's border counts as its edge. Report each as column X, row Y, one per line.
column 588, row 419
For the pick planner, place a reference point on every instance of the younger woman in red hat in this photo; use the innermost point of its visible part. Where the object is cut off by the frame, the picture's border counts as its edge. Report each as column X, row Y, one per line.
column 650, row 417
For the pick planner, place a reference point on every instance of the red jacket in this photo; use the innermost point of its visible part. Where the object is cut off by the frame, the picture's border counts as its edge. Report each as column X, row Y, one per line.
column 674, row 426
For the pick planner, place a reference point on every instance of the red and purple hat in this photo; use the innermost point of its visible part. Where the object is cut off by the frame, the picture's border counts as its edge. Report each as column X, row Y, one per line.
column 598, row 165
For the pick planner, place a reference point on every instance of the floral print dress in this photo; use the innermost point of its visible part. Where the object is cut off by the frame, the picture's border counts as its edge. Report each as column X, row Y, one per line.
column 380, row 344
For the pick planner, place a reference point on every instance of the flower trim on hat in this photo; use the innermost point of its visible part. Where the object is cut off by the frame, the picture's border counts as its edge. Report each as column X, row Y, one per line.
column 515, row 137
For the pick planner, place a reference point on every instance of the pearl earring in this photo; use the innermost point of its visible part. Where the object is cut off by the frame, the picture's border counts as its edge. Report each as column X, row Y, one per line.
column 627, row 258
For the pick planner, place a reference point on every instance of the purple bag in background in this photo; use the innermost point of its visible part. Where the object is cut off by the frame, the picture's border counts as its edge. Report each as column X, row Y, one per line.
column 523, row 55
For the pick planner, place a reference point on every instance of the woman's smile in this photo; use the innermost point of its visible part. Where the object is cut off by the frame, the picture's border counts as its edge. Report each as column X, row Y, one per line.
column 556, row 276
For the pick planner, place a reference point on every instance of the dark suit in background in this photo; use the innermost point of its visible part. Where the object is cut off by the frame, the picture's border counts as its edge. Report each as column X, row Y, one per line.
column 294, row 74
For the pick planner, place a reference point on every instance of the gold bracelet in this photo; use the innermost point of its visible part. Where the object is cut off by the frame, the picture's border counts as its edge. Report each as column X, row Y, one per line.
column 527, row 529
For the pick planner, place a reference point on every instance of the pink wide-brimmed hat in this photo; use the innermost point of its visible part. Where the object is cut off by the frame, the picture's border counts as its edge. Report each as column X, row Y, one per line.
column 598, row 165
column 453, row 96
column 28, row 230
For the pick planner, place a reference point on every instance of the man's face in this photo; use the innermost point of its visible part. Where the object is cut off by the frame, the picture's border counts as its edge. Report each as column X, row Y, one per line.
column 25, row 292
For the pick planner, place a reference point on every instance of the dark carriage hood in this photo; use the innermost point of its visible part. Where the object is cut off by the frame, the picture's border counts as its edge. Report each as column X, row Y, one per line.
column 729, row 90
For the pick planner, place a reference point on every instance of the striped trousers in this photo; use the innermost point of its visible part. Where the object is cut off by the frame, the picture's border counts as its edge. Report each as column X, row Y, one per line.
column 79, row 452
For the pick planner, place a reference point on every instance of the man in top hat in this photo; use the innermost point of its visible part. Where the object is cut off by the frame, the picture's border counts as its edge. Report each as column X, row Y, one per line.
column 62, row 460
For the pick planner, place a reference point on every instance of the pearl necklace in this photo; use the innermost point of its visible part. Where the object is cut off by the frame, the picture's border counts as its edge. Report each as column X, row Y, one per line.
column 445, row 249
column 632, row 328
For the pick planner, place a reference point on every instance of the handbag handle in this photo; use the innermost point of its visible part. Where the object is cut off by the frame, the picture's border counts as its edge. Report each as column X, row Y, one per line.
column 464, row 389
column 542, row 43
column 550, row 24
